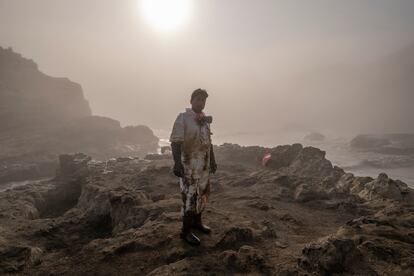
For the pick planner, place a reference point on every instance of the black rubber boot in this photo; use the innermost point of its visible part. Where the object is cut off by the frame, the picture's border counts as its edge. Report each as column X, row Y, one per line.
column 198, row 224
column 186, row 233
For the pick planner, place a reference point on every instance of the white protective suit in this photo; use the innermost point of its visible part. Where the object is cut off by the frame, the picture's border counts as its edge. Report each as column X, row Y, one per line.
column 196, row 143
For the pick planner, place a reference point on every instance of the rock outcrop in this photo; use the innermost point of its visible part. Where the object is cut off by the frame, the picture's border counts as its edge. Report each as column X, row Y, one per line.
column 315, row 137
column 29, row 99
column 397, row 144
column 300, row 216
column 43, row 116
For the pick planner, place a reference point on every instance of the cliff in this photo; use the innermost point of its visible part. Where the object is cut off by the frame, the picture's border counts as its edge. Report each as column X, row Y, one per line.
column 30, row 99
column 43, row 116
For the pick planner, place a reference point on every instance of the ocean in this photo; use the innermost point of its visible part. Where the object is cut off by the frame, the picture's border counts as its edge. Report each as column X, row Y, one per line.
column 337, row 148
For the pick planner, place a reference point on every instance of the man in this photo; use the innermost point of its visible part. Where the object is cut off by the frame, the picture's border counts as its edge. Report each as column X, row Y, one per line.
column 193, row 162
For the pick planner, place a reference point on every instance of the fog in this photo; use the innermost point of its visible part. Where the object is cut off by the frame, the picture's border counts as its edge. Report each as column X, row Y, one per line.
column 269, row 66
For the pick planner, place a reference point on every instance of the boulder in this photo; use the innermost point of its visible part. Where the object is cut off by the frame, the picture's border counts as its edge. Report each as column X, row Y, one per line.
column 15, row 258
column 331, row 256
column 315, row 137
column 235, row 237
column 246, row 259
column 386, row 188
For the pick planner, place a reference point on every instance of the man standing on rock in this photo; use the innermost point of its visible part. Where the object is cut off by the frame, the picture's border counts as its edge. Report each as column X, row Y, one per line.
column 193, row 162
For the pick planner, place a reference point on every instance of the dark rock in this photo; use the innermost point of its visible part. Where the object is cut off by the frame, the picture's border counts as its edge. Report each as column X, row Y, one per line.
column 246, row 259
column 315, row 136
column 289, row 159
column 70, row 164
column 235, row 237
column 124, row 159
column 230, row 154
column 20, row 171
column 15, row 258
column 268, row 231
column 307, row 192
column 369, row 141
column 331, row 256
column 398, row 144
column 153, row 156
column 384, row 187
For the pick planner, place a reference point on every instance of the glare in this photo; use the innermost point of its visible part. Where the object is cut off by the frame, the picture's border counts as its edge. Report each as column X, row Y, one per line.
column 166, row 15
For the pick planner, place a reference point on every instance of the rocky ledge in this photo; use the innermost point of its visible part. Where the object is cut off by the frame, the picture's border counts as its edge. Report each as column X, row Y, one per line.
column 299, row 215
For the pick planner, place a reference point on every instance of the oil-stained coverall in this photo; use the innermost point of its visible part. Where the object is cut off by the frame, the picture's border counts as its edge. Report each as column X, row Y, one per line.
column 196, row 148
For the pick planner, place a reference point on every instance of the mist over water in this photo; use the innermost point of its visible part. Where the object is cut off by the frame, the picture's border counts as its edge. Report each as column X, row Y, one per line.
column 275, row 70
column 337, row 147
column 311, row 171
column 268, row 65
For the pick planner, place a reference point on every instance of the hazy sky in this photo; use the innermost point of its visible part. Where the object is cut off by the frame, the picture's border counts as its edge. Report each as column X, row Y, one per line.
column 241, row 51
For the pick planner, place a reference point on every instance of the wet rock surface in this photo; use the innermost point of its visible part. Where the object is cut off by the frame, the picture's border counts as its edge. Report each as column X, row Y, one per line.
column 298, row 216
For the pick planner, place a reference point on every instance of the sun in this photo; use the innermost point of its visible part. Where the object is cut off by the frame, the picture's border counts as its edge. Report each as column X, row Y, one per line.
column 166, row 15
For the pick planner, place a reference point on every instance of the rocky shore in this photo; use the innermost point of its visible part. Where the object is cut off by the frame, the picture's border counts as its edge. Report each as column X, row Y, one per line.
column 299, row 215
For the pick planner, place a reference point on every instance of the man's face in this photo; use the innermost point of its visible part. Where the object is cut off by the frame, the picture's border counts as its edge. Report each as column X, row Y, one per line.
column 198, row 103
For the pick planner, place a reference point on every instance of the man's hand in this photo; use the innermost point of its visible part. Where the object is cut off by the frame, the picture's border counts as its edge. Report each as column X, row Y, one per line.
column 213, row 167
column 213, row 164
column 178, row 169
column 178, row 165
